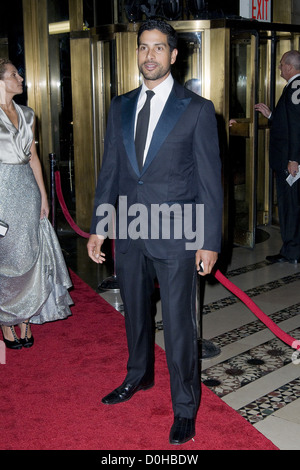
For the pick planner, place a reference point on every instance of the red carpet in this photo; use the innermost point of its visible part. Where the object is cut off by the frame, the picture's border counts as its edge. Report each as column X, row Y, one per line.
column 51, row 394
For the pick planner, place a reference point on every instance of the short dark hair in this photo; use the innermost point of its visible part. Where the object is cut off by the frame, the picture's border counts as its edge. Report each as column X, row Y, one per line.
column 161, row 26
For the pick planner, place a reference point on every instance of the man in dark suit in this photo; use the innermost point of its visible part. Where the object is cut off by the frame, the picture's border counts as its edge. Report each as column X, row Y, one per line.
column 179, row 174
column 285, row 156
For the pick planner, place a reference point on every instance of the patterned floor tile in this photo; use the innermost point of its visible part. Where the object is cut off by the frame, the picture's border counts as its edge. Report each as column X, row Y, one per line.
column 253, row 292
column 247, row 269
column 236, row 334
column 236, row 372
column 273, row 401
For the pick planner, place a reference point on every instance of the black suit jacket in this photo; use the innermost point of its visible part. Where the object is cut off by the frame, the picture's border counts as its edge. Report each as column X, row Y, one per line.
column 182, row 167
column 285, row 128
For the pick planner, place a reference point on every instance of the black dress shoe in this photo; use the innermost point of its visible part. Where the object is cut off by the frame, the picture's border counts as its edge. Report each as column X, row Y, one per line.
column 16, row 343
column 183, row 430
column 276, row 258
column 124, row 393
column 27, row 342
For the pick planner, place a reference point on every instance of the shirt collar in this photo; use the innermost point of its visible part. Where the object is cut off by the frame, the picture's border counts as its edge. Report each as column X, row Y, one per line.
column 163, row 89
column 293, row 78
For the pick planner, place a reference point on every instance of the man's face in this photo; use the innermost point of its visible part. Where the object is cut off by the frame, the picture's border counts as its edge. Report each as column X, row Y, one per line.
column 154, row 57
column 286, row 70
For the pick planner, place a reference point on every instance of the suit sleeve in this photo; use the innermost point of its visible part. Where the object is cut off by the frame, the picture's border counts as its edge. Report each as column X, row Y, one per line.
column 293, row 122
column 107, row 184
column 208, row 175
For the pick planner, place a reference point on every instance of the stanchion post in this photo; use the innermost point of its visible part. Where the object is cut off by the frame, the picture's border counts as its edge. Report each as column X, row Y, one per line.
column 52, row 158
column 111, row 283
column 207, row 349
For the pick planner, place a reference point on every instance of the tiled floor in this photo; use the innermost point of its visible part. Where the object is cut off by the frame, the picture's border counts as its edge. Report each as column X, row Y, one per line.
column 254, row 372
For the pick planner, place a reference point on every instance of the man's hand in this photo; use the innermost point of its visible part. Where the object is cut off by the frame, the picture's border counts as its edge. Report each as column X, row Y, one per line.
column 263, row 109
column 293, row 168
column 208, row 258
column 94, row 248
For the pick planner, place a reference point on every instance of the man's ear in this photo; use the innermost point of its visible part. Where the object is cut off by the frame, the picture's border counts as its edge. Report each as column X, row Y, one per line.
column 174, row 55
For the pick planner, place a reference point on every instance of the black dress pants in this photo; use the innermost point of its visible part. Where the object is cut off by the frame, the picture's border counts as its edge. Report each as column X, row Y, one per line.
column 136, row 271
column 288, row 198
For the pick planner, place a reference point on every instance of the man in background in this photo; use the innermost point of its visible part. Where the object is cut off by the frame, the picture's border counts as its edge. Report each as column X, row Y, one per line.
column 284, row 155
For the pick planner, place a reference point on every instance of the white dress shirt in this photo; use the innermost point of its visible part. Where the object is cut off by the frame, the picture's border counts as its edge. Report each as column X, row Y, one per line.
column 292, row 78
column 157, row 104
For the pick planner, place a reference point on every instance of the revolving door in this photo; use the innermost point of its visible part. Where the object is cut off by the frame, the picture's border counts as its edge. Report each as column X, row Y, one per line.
column 254, row 77
column 233, row 63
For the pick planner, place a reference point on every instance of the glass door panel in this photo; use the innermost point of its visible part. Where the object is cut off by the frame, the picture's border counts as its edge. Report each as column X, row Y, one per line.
column 242, row 140
column 254, row 78
column 105, row 88
column 187, row 69
column 263, row 96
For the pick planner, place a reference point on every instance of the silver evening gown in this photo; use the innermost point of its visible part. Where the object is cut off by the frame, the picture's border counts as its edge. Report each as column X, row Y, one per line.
column 34, row 280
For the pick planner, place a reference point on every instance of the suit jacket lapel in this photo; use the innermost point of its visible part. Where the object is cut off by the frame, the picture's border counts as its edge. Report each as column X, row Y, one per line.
column 173, row 109
column 128, row 110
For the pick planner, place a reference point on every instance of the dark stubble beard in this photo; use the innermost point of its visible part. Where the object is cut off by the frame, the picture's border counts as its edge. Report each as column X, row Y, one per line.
column 156, row 74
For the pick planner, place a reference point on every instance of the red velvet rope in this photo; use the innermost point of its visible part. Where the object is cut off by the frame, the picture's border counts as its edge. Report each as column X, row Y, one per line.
column 64, row 207
column 286, row 338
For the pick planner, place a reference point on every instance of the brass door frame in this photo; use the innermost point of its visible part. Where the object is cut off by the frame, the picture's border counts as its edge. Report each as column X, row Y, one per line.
column 266, row 86
column 213, row 55
column 36, row 38
column 247, row 128
column 91, row 102
column 38, row 77
column 213, row 68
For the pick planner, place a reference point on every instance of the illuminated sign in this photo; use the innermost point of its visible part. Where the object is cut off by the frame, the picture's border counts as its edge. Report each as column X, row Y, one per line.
column 260, row 10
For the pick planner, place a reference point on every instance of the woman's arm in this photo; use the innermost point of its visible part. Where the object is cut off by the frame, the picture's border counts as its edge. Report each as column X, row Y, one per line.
column 37, row 171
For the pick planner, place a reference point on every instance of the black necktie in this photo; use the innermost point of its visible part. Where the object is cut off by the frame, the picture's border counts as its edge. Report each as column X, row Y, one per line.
column 142, row 129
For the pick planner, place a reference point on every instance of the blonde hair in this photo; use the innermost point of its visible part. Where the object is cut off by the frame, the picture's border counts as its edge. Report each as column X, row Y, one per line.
column 3, row 63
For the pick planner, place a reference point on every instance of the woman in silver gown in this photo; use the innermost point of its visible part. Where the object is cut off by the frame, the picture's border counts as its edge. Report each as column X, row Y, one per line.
column 34, row 280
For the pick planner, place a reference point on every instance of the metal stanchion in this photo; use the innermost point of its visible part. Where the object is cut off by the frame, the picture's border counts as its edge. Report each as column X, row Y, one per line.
column 110, row 285
column 52, row 158
column 207, row 349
